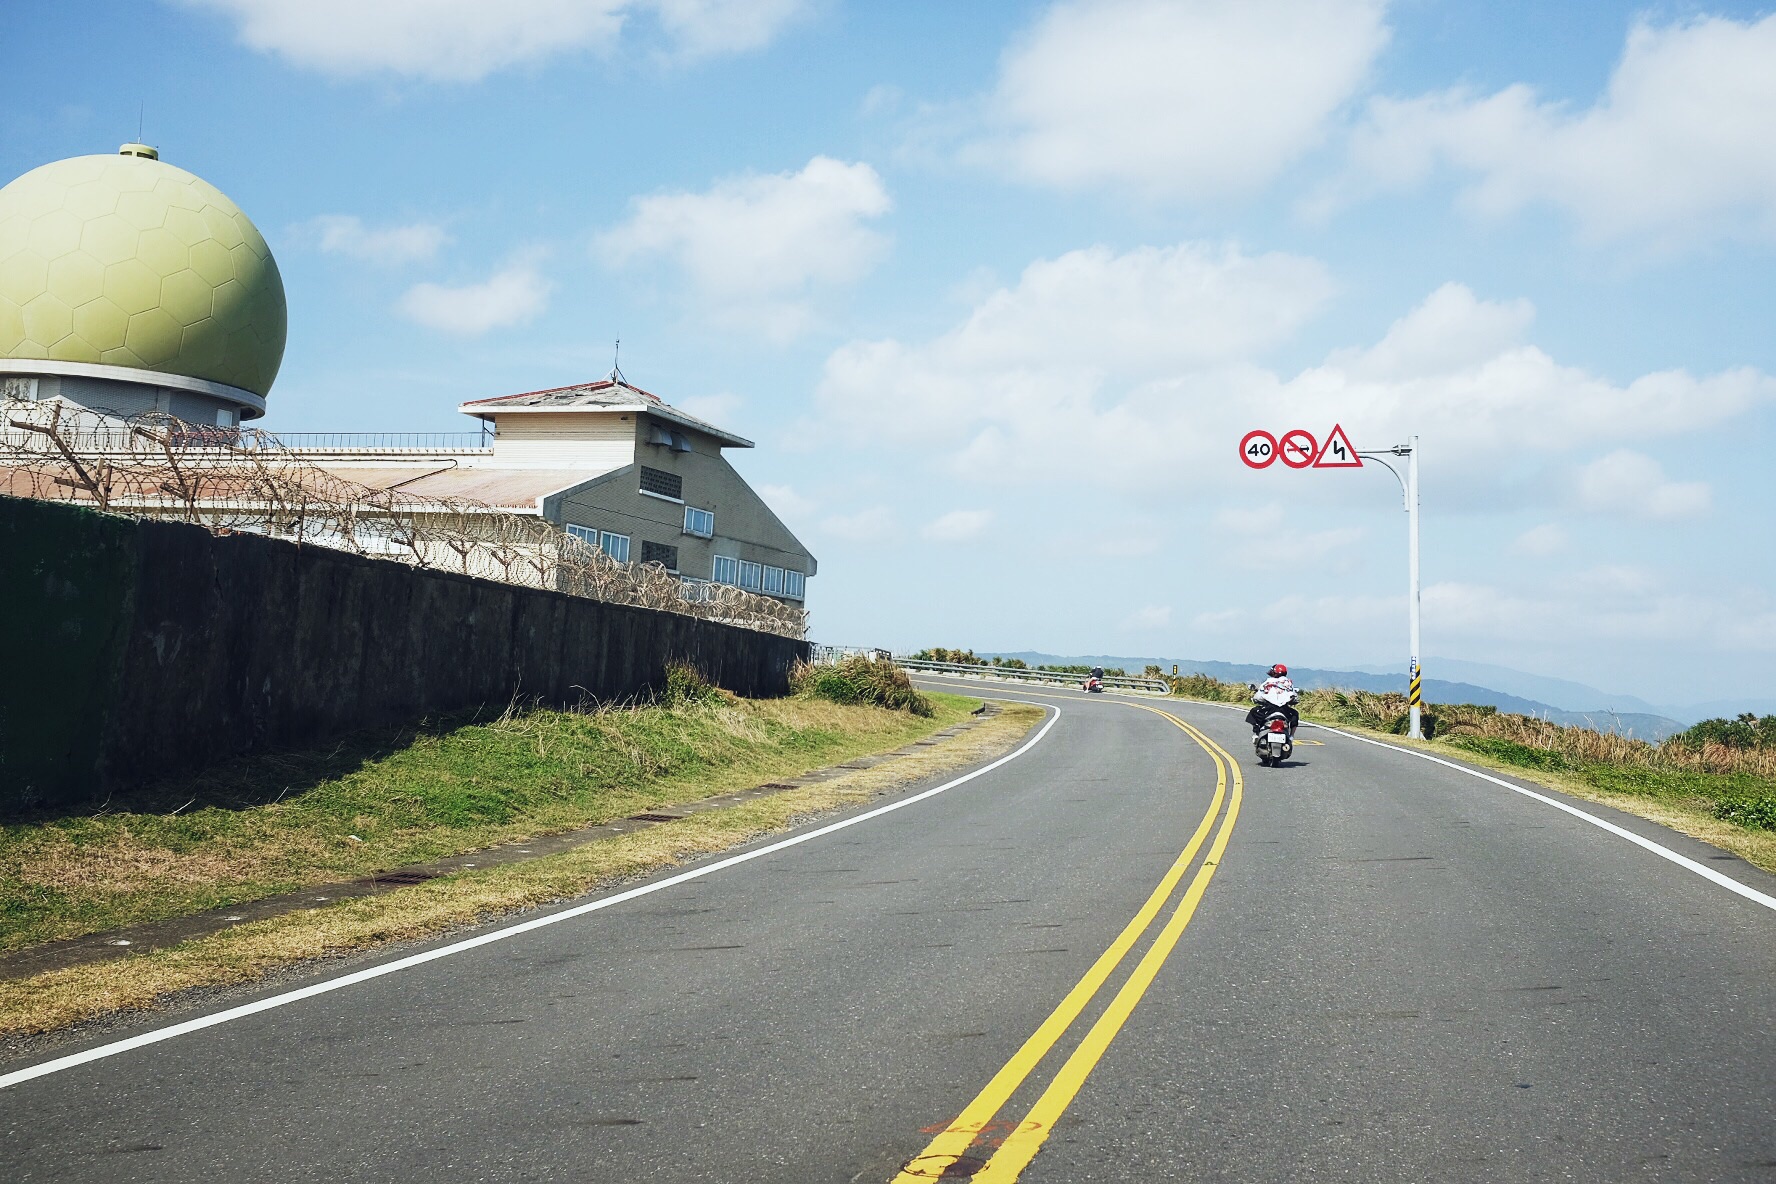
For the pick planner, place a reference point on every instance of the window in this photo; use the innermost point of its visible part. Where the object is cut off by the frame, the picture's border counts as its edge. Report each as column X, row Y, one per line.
column 699, row 522
column 773, row 581
column 660, row 553
column 614, row 545
column 663, row 483
column 727, row 570
column 795, row 585
column 584, row 534
column 750, row 574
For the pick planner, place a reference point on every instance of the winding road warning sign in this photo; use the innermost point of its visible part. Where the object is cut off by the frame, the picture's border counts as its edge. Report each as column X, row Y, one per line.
column 1336, row 453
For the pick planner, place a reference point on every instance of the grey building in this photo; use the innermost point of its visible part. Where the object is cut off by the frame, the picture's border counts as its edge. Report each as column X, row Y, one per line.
column 615, row 466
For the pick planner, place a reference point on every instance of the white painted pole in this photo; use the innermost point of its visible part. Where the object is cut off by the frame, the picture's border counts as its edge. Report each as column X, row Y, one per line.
column 1414, row 696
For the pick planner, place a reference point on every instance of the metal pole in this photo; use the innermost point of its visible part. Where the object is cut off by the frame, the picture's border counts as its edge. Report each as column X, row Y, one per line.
column 1415, row 698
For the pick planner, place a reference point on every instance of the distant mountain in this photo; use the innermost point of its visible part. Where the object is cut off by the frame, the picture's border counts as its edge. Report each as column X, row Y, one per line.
column 1559, row 692
column 1646, row 725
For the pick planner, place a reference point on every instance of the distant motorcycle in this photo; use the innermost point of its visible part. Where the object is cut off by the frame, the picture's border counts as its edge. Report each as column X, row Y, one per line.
column 1273, row 728
column 1094, row 682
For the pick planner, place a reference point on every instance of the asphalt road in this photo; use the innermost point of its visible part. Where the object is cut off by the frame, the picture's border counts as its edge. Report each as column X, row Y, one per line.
column 1395, row 972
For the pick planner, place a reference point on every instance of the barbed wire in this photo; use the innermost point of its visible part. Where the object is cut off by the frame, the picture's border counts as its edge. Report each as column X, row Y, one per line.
column 153, row 465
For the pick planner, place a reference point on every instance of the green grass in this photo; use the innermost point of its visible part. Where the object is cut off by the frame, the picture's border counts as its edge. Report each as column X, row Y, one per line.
column 274, row 824
column 1745, row 799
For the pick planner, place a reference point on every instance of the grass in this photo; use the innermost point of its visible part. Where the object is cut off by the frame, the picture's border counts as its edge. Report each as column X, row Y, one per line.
column 276, row 824
column 1707, row 787
column 249, row 952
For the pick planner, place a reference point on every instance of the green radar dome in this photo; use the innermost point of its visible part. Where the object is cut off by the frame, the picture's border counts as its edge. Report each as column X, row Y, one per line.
column 127, row 261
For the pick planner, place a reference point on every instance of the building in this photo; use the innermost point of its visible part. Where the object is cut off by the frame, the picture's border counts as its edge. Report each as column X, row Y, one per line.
column 129, row 286
column 610, row 463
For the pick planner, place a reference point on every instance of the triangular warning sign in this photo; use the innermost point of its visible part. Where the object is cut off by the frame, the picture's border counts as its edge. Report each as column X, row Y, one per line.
column 1337, row 453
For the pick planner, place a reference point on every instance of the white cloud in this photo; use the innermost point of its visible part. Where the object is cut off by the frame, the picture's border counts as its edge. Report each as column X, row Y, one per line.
column 1549, row 538
column 958, row 526
column 718, row 409
column 1626, row 482
column 1197, row 98
column 512, row 296
column 1148, row 617
column 465, row 40
column 755, row 248
column 1137, row 367
column 866, row 526
column 708, row 28
column 1677, row 148
column 786, row 503
column 346, row 234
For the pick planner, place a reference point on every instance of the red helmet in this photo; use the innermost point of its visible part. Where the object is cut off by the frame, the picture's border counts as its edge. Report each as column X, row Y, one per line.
column 1279, row 671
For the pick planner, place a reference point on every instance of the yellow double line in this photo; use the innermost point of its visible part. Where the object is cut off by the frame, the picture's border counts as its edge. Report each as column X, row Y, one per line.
column 1026, row 1139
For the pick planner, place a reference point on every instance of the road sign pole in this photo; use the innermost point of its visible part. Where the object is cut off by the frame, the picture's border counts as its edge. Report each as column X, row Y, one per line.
column 1415, row 689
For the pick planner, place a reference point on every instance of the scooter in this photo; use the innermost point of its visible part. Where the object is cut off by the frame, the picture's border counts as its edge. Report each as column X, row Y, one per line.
column 1093, row 685
column 1272, row 738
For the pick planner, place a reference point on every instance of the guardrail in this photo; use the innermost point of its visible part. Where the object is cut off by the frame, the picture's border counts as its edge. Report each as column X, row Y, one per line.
column 1145, row 686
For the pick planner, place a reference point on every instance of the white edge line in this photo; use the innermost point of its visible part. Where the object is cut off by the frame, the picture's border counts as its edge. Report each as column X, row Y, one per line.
column 1683, row 861
column 246, row 1009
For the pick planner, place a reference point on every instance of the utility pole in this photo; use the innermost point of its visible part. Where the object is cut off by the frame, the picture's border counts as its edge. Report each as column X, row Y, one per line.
column 1409, row 489
column 1415, row 697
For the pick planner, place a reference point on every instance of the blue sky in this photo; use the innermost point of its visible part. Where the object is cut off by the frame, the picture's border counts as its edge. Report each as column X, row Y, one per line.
column 996, row 287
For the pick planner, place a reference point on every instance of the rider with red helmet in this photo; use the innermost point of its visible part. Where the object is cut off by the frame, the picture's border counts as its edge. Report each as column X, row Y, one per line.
column 1276, row 685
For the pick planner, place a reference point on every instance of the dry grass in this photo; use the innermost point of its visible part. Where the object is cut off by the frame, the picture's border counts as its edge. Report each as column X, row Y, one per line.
column 397, row 801
column 249, row 952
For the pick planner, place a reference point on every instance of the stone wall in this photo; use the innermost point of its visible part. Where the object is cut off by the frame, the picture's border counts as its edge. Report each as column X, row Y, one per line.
column 140, row 648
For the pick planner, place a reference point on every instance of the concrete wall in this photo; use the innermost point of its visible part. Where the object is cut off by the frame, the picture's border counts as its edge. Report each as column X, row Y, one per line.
column 137, row 648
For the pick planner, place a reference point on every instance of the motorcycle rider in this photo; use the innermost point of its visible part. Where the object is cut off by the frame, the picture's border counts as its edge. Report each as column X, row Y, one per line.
column 1261, row 707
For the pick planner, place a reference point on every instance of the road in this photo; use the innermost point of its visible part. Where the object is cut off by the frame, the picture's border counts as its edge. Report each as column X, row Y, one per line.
column 1384, row 969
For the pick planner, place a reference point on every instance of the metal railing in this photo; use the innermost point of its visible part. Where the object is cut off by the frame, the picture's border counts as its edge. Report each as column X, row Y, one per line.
column 1145, row 686
column 385, row 441
column 827, row 655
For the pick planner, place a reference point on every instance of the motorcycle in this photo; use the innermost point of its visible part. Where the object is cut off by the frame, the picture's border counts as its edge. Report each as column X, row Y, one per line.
column 1273, row 735
column 1094, row 682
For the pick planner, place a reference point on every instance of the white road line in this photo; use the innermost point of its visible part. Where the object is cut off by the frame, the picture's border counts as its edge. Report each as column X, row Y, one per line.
column 1683, row 861
column 246, row 1009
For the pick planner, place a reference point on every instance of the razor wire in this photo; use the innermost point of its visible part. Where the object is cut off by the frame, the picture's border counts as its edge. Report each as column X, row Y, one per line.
column 227, row 480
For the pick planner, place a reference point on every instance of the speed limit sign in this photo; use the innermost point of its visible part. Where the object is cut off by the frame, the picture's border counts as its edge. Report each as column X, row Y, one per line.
column 1258, row 448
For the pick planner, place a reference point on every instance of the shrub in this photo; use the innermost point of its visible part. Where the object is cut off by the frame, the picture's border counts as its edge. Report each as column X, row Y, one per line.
column 857, row 680
column 686, row 684
column 1747, row 731
column 1758, row 812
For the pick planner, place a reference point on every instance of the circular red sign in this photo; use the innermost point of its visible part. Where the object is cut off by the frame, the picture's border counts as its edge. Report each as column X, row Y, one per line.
column 1297, row 449
column 1258, row 448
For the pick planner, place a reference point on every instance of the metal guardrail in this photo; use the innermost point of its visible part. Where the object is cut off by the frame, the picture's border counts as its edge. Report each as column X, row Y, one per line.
column 1145, row 686
column 385, row 441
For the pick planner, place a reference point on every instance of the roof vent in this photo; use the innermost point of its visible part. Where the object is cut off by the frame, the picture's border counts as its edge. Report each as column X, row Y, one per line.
column 145, row 151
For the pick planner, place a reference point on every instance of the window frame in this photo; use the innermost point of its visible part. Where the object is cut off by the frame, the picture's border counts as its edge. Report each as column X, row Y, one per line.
column 758, row 572
column 732, row 562
column 604, row 545
column 701, row 534
column 795, row 584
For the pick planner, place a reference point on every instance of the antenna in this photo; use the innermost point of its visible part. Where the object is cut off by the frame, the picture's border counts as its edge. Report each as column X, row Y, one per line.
column 616, row 374
column 141, row 118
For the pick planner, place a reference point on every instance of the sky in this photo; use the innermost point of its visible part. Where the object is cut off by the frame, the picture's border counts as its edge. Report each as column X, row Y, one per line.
column 997, row 288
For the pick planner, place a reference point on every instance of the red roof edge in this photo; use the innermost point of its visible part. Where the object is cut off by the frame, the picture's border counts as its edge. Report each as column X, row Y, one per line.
column 601, row 384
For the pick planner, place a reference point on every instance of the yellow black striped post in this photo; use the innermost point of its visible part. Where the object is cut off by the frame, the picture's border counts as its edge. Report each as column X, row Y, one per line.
column 1416, row 695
